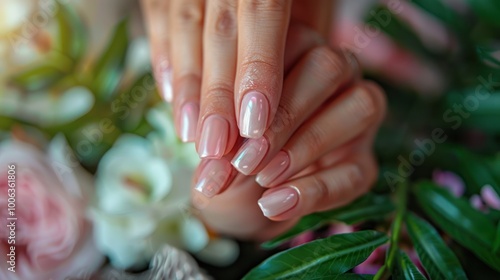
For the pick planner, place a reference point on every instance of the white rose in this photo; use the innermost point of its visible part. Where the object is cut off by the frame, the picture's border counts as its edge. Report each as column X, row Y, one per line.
column 142, row 202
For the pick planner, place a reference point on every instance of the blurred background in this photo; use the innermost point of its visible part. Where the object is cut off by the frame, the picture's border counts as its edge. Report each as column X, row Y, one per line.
column 80, row 70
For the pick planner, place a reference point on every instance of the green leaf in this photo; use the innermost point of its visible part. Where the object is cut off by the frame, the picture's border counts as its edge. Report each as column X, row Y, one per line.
column 384, row 19
column 467, row 226
column 72, row 33
column 486, row 55
column 496, row 245
column 438, row 260
column 309, row 222
column 472, row 168
column 349, row 276
column 406, row 269
column 109, row 70
column 130, row 104
column 487, row 10
column 368, row 207
column 42, row 76
column 321, row 258
column 444, row 13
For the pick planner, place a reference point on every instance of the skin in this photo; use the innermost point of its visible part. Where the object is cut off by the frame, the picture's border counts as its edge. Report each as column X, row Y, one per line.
column 327, row 172
column 225, row 50
column 221, row 54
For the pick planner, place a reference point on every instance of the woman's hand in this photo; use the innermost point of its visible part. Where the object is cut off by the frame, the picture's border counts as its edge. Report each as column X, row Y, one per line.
column 221, row 63
column 316, row 154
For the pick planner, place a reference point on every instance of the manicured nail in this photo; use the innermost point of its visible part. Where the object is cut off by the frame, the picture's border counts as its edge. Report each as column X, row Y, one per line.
column 188, row 122
column 274, row 169
column 165, row 80
column 214, row 135
column 278, row 202
column 250, row 155
column 253, row 115
column 213, row 177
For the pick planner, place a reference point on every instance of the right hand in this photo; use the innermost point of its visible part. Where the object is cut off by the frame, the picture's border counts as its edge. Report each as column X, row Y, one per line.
column 316, row 155
column 221, row 63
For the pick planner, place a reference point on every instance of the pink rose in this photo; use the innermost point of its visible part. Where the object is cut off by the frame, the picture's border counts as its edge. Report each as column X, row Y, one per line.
column 48, row 199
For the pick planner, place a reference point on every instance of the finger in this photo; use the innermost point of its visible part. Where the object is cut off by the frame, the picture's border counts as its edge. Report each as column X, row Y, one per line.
column 300, row 39
column 235, row 212
column 317, row 14
column 155, row 13
column 213, row 176
column 186, row 26
column 218, row 129
column 320, row 74
column 262, row 29
column 342, row 120
column 325, row 189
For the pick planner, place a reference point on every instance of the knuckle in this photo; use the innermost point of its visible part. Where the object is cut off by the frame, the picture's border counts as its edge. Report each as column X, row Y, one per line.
column 364, row 106
column 285, row 118
column 190, row 12
column 314, row 139
column 186, row 79
column 258, row 6
column 260, row 61
column 225, row 21
column 379, row 99
column 323, row 191
column 327, row 64
column 219, row 93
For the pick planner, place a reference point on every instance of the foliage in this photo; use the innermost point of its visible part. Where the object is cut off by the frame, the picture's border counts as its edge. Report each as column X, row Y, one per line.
column 445, row 231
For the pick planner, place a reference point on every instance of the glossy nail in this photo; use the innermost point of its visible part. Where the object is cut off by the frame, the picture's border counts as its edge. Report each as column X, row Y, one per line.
column 274, row 169
column 254, row 113
column 214, row 135
column 250, row 155
column 188, row 121
column 164, row 77
column 213, row 177
column 279, row 201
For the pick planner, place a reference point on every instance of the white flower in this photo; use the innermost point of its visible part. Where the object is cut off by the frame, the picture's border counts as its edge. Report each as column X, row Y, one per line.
column 47, row 108
column 141, row 204
column 165, row 139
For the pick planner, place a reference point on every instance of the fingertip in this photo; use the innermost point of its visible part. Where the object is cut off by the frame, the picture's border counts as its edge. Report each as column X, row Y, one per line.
column 278, row 204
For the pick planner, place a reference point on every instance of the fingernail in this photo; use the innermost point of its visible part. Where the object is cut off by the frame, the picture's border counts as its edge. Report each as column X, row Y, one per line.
column 213, row 177
column 250, row 155
column 188, row 122
column 214, row 136
column 274, row 169
column 253, row 115
column 165, row 80
column 278, row 202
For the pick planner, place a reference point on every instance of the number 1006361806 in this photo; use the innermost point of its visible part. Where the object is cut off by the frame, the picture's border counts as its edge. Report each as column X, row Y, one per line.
column 11, row 218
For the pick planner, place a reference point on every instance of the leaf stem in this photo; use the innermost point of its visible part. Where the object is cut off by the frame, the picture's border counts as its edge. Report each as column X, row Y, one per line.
column 382, row 273
column 397, row 224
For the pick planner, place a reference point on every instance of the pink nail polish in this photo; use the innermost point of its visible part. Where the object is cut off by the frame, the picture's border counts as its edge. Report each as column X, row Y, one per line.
column 213, row 177
column 214, row 135
column 165, row 81
column 274, row 169
column 278, row 202
column 253, row 115
column 188, row 122
column 250, row 155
